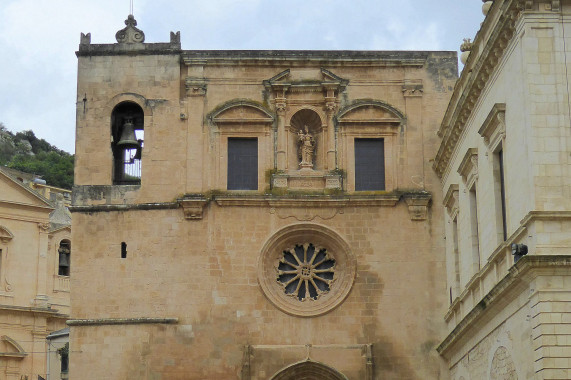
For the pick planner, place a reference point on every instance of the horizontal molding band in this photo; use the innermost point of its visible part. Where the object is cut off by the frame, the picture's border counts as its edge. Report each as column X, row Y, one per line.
column 124, row 207
column 121, row 321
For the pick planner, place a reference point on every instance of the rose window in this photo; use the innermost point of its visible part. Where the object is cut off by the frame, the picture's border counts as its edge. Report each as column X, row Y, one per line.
column 305, row 271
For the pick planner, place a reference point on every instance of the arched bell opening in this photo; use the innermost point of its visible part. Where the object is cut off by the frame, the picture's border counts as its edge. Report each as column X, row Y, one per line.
column 308, row 370
column 306, row 137
column 127, row 132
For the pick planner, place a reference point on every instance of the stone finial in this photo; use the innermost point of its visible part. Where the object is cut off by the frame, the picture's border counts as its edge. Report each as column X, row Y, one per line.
column 85, row 39
column 466, row 45
column 175, row 38
column 130, row 34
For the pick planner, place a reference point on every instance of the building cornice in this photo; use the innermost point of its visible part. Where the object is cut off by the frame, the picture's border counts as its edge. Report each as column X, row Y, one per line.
column 498, row 27
column 244, row 57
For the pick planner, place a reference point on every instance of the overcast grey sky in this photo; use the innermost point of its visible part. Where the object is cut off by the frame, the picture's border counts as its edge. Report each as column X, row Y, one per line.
column 38, row 39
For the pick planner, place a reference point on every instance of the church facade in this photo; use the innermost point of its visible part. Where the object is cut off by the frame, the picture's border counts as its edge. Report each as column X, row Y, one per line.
column 257, row 214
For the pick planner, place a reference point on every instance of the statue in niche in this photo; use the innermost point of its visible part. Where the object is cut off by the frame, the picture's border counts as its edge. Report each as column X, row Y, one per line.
column 306, row 148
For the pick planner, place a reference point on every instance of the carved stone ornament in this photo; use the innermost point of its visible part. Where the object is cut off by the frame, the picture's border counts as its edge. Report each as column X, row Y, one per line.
column 193, row 207
column 195, row 86
column 280, row 108
column 5, row 235
column 44, row 227
column 306, row 269
column 130, row 34
column 417, row 206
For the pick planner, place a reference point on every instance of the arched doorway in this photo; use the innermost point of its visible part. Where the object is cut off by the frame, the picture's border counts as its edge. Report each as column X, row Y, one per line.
column 308, row 370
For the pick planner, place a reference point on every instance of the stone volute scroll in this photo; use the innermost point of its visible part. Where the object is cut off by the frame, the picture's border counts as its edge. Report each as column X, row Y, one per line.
column 130, row 34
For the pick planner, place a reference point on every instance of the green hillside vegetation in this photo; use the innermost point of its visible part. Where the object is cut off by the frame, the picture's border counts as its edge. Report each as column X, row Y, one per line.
column 24, row 151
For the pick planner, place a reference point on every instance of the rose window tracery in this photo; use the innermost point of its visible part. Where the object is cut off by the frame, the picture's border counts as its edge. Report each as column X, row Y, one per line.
column 306, row 272
column 306, row 269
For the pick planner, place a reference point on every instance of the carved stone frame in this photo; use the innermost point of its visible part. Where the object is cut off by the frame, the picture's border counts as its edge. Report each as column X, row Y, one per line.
column 272, row 251
column 5, row 237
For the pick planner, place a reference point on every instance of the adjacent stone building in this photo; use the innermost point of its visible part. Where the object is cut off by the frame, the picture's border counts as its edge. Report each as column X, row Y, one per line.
column 257, row 214
column 35, row 249
column 505, row 166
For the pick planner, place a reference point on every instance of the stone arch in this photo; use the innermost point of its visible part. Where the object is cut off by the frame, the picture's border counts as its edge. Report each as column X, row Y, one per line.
column 11, row 348
column 308, row 370
column 144, row 103
column 247, row 110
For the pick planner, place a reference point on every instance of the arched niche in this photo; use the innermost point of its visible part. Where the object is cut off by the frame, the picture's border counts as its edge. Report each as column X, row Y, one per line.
column 127, row 137
column 308, row 370
column 306, row 121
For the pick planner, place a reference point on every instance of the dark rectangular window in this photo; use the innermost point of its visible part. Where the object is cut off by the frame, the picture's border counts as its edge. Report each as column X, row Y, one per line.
column 369, row 164
column 242, row 164
column 503, row 194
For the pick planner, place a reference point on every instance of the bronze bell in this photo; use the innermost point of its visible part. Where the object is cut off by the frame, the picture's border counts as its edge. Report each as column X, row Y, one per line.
column 63, row 260
column 128, row 139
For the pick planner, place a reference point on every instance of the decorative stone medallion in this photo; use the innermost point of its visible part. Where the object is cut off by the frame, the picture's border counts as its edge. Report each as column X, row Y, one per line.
column 306, row 269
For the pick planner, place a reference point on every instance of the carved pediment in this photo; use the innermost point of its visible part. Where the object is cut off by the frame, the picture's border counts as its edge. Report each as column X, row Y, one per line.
column 5, row 235
column 469, row 166
column 304, row 79
column 451, row 200
column 241, row 112
column 10, row 348
column 494, row 127
column 370, row 112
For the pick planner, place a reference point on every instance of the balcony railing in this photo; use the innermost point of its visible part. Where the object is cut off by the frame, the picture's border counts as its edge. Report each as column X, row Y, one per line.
column 61, row 284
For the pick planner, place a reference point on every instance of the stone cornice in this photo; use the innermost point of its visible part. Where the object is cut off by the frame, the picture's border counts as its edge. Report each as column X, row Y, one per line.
column 121, row 321
column 244, row 57
column 499, row 25
column 37, row 310
column 519, row 273
column 124, row 207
